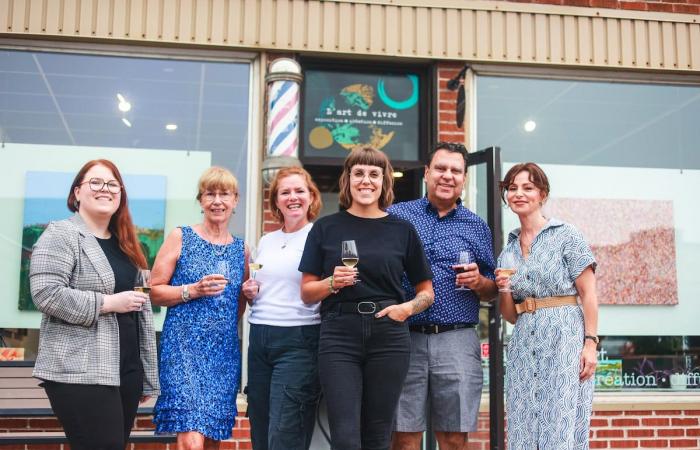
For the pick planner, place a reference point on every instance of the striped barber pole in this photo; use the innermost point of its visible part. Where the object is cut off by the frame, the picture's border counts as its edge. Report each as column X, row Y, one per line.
column 283, row 119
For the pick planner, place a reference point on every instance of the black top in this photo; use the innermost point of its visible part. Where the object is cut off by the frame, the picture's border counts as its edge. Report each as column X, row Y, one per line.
column 387, row 247
column 124, row 279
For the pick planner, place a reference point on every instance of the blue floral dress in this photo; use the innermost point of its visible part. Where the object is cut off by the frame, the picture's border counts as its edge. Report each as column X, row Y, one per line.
column 548, row 407
column 200, row 357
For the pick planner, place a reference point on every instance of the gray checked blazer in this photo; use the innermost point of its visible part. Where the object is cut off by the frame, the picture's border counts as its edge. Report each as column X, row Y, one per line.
column 69, row 275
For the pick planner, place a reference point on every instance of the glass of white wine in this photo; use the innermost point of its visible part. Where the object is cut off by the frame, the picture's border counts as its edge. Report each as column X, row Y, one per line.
column 143, row 282
column 507, row 267
column 465, row 257
column 349, row 255
column 253, row 266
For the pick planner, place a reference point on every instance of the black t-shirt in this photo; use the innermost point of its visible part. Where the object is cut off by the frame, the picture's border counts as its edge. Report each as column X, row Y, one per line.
column 124, row 279
column 387, row 247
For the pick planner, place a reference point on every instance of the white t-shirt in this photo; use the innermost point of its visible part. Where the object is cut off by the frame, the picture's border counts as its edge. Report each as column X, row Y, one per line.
column 278, row 302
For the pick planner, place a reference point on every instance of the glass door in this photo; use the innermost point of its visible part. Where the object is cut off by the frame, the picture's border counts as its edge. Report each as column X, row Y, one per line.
column 484, row 170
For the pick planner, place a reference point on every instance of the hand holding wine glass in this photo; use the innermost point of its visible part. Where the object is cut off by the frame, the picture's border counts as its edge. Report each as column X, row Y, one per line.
column 349, row 255
column 465, row 258
column 507, row 268
column 143, row 282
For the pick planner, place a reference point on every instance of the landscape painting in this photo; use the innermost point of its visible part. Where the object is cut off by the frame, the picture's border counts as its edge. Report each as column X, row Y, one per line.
column 45, row 201
column 634, row 243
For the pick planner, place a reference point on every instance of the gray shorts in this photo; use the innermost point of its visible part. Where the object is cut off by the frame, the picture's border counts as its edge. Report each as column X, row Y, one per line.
column 444, row 374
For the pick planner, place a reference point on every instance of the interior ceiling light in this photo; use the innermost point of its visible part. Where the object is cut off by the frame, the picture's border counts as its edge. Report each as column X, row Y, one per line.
column 171, row 127
column 124, row 105
column 397, row 174
column 530, row 126
column 126, row 122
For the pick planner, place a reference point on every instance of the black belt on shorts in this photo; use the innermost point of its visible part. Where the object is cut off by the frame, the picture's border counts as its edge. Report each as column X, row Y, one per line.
column 436, row 328
column 364, row 307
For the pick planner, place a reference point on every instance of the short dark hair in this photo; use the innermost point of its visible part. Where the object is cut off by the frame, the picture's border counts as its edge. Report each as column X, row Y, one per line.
column 452, row 147
column 370, row 156
column 536, row 176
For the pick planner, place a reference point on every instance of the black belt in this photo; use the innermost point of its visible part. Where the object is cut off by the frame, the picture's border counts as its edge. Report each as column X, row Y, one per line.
column 364, row 307
column 435, row 328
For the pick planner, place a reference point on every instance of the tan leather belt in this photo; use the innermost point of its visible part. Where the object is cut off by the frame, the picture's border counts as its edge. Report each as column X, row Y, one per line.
column 531, row 305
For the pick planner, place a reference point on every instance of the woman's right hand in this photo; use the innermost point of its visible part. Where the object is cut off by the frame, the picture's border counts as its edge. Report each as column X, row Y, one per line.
column 124, row 302
column 209, row 286
column 344, row 276
column 250, row 289
column 502, row 281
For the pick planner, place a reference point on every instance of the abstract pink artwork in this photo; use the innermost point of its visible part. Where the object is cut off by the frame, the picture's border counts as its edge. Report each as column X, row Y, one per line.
column 634, row 244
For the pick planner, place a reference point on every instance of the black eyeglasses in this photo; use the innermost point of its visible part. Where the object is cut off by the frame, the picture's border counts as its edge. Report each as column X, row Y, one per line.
column 97, row 184
column 452, row 146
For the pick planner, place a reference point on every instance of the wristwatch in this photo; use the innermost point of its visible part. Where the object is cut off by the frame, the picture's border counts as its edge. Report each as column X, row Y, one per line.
column 185, row 295
column 593, row 338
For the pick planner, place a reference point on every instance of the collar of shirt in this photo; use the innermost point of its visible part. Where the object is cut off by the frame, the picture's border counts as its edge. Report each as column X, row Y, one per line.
column 551, row 223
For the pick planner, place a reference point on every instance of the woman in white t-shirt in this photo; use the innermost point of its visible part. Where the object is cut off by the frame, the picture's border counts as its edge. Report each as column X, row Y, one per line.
column 283, row 387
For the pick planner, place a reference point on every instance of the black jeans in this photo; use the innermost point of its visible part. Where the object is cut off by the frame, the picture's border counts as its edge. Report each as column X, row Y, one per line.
column 96, row 417
column 283, row 386
column 363, row 362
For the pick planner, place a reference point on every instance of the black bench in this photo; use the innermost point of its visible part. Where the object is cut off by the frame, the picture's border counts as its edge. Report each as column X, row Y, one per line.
column 22, row 397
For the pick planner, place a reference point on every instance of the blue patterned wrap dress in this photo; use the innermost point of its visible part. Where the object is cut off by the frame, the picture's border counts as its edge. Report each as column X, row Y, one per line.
column 200, row 357
column 548, row 408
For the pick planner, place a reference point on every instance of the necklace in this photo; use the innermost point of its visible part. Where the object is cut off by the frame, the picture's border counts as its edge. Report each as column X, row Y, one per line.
column 218, row 252
column 290, row 238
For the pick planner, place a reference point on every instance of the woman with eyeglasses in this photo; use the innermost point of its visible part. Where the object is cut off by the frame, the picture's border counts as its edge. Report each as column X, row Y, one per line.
column 198, row 274
column 364, row 345
column 97, row 349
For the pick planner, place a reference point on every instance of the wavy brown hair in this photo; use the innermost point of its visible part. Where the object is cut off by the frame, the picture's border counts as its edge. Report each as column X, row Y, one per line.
column 314, row 206
column 536, row 176
column 120, row 224
column 368, row 156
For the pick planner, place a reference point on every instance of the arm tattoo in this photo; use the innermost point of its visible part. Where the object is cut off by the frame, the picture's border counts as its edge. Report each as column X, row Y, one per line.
column 421, row 302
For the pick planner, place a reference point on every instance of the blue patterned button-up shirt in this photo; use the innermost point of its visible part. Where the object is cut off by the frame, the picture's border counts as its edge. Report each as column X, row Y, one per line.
column 443, row 238
column 558, row 255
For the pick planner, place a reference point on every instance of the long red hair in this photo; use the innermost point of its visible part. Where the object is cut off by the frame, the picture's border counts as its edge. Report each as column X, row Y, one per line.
column 120, row 224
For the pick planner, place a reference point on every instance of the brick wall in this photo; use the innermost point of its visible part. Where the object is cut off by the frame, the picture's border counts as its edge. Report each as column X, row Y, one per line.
column 671, row 6
column 240, row 436
column 447, row 129
column 678, row 429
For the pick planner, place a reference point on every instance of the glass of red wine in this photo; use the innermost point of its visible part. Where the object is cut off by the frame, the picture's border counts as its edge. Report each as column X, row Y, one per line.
column 465, row 257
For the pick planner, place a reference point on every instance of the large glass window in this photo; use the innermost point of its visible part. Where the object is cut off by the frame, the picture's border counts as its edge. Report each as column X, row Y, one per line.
column 162, row 121
column 623, row 161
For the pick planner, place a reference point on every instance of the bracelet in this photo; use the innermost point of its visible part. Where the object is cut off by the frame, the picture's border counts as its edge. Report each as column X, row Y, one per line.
column 330, row 285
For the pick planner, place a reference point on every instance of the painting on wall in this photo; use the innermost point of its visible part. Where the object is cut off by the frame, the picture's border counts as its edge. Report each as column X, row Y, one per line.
column 45, row 201
column 634, row 244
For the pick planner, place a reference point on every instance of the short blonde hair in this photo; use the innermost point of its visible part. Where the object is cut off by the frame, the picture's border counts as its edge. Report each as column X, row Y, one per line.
column 314, row 206
column 217, row 178
column 369, row 156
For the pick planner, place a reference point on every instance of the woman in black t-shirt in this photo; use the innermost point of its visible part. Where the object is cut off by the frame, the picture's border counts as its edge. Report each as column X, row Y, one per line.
column 364, row 346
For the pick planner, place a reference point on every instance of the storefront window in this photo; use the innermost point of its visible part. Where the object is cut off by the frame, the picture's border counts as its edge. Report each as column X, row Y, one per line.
column 161, row 121
column 624, row 167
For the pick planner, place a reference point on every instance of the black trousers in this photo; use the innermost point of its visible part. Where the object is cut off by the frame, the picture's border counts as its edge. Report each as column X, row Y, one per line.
column 363, row 362
column 96, row 417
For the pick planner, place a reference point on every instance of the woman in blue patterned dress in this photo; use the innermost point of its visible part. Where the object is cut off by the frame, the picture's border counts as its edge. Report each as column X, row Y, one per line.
column 200, row 357
column 552, row 353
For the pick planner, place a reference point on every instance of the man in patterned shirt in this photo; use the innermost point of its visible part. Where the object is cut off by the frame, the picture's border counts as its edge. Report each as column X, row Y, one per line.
column 445, row 375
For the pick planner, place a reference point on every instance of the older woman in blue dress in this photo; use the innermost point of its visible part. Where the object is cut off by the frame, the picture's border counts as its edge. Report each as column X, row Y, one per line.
column 552, row 353
column 198, row 275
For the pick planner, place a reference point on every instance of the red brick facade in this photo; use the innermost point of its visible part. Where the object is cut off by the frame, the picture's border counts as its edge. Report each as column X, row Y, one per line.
column 671, row 6
column 679, row 429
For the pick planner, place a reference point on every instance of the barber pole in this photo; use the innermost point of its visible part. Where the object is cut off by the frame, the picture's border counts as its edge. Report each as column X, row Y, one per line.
column 283, row 110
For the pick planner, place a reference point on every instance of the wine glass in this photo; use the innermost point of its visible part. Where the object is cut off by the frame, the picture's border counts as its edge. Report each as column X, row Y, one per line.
column 465, row 257
column 143, row 282
column 507, row 266
column 253, row 266
column 349, row 254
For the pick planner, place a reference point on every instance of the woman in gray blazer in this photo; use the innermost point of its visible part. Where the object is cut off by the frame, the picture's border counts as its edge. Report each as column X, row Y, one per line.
column 97, row 351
